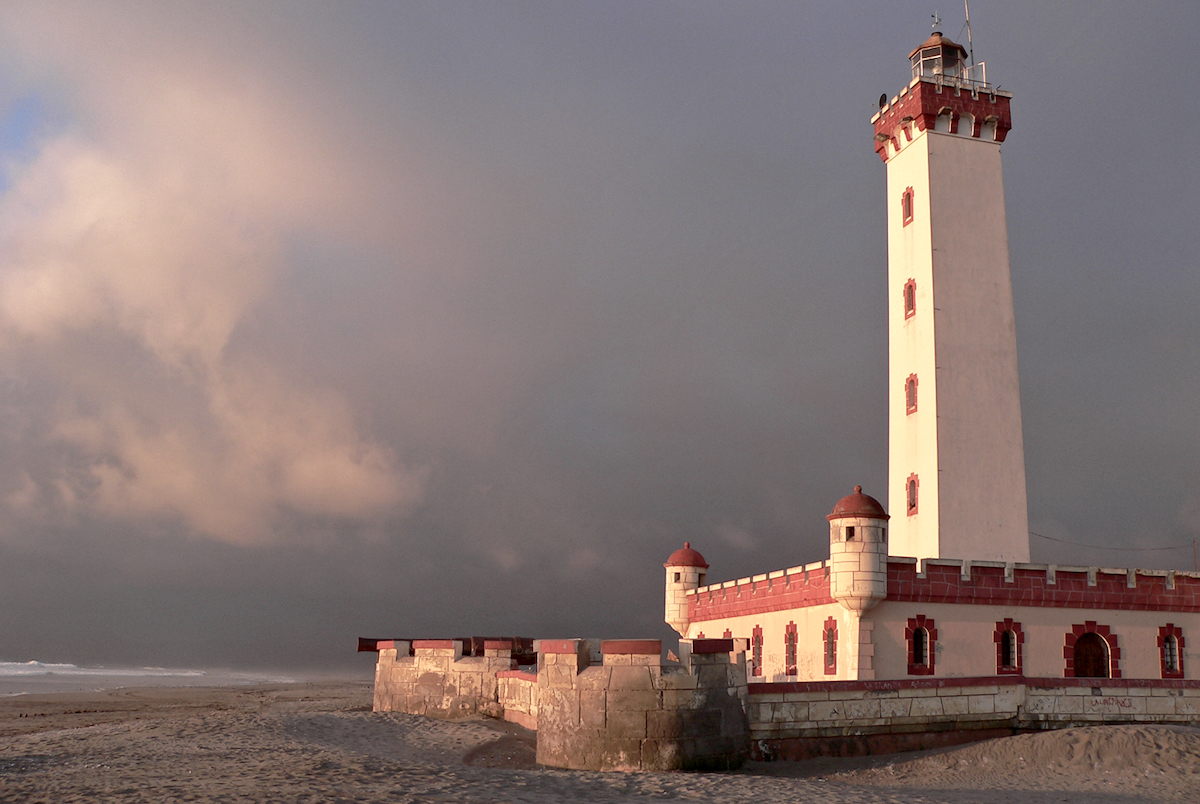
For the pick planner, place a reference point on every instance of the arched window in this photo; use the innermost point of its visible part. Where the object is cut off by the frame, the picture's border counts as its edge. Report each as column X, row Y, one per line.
column 910, row 298
column 829, row 646
column 789, row 648
column 756, row 645
column 910, row 394
column 1170, row 650
column 1008, row 638
column 1091, row 656
column 906, row 206
column 913, row 483
column 922, row 643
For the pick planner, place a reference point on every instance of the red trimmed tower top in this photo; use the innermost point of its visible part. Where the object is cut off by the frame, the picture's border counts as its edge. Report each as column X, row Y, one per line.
column 858, row 505
column 945, row 94
column 686, row 557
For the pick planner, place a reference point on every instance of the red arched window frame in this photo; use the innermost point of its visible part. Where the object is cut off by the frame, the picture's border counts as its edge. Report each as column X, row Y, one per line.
column 910, row 394
column 829, row 646
column 790, row 638
column 1166, row 634
column 756, row 645
column 1009, row 665
column 912, row 488
column 909, row 298
column 922, row 639
column 906, row 206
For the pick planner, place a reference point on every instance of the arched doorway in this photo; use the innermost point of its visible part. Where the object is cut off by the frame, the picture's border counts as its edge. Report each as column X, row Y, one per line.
column 1091, row 656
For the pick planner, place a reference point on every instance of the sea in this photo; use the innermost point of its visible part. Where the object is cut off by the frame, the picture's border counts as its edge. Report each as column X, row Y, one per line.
column 26, row 678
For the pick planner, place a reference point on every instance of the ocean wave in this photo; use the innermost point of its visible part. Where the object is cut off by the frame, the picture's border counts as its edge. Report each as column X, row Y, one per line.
column 35, row 668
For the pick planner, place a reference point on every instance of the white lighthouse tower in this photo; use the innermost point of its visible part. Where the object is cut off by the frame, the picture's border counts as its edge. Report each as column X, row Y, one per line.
column 956, row 486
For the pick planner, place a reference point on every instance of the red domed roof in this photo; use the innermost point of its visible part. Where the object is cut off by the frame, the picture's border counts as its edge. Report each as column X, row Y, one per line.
column 686, row 557
column 858, row 505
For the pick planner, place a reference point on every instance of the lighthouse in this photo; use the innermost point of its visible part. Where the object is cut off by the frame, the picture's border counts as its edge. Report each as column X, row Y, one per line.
column 956, row 461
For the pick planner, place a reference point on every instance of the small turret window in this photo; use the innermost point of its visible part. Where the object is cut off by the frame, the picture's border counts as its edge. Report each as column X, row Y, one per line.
column 677, row 577
column 910, row 394
column 906, row 206
column 850, row 533
column 913, row 484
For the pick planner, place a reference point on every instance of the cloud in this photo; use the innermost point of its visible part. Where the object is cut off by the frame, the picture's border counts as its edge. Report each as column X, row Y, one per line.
column 158, row 236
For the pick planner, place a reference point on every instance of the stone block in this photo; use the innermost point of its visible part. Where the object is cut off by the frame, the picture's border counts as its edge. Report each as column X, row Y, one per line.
column 956, row 705
column 1160, row 706
column 927, row 707
column 894, row 707
column 630, row 678
column 791, row 712
column 648, row 660
column 621, row 753
column 430, row 685
column 680, row 699
column 470, row 684
column 1007, row 700
column 595, row 677
column 1039, row 704
column 918, row 692
column 558, row 708
column 592, row 709
column 560, row 676
column 1068, row 705
column 1114, row 705
column 981, row 704
column 626, row 724
column 631, row 700
column 617, row 660
column 663, row 755
column 678, row 681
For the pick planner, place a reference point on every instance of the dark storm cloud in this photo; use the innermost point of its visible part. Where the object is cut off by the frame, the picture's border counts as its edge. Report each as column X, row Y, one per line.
column 318, row 320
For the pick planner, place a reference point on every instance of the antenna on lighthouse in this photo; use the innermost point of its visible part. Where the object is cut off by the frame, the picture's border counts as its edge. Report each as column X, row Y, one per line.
column 937, row 20
column 970, row 43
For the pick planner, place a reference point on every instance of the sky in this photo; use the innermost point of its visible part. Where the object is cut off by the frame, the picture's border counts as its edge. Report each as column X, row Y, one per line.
column 327, row 320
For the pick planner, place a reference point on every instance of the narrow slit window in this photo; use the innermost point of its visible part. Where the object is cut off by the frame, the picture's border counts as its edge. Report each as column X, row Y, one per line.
column 756, row 646
column 829, row 646
column 790, row 638
column 906, row 206
column 910, row 394
column 910, row 298
column 850, row 533
column 913, row 484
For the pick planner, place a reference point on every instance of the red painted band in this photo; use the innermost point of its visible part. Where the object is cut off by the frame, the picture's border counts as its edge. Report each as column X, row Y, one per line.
column 559, row 646
column 434, row 644
column 712, row 646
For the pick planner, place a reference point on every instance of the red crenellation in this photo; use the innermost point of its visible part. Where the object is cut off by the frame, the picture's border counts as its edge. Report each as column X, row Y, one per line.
column 920, row 105
column 987, row 585
column 792, row 591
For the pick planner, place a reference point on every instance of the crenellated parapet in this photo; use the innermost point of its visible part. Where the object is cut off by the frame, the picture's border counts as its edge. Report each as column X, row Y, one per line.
column 941, row 104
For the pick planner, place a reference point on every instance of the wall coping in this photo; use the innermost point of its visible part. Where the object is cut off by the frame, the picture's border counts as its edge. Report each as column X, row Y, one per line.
column 640, row 647
column 435, row 644
column 884, row 685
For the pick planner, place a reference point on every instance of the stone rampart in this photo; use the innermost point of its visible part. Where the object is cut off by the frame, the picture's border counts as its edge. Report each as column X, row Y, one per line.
column 432, row 677
column 800, row 720
column 634, row 713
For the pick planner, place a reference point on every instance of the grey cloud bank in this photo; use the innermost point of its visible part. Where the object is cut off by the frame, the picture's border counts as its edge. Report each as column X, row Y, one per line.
column 318, row 321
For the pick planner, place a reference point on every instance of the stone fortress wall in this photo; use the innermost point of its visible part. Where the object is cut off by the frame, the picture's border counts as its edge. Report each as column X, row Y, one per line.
column 616, row 705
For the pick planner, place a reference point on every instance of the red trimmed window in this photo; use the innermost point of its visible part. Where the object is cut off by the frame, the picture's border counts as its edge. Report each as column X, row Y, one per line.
column 829, row 646
column 790, row 638
column 910, row 298
column 922, row 637
column 912, row 485
column 1090, row 651
column 906, row 206
column 910, row 394
column 1170, row 650
column 1009, row 638
column 756, row 652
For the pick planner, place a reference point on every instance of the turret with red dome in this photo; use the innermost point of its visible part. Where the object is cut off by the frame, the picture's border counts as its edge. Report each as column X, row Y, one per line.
column 686, row 570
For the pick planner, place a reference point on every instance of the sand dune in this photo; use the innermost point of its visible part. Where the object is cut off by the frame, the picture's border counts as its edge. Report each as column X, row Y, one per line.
column 320, row 742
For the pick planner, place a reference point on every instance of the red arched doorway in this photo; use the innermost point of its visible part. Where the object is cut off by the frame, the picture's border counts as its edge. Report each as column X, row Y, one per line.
column 1091, row 656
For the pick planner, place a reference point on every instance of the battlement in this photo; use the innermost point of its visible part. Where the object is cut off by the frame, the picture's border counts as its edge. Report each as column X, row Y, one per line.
column 795, row 587
column 1041, row 585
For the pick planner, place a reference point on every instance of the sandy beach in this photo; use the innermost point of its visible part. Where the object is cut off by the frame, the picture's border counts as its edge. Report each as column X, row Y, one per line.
column 319, row 742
